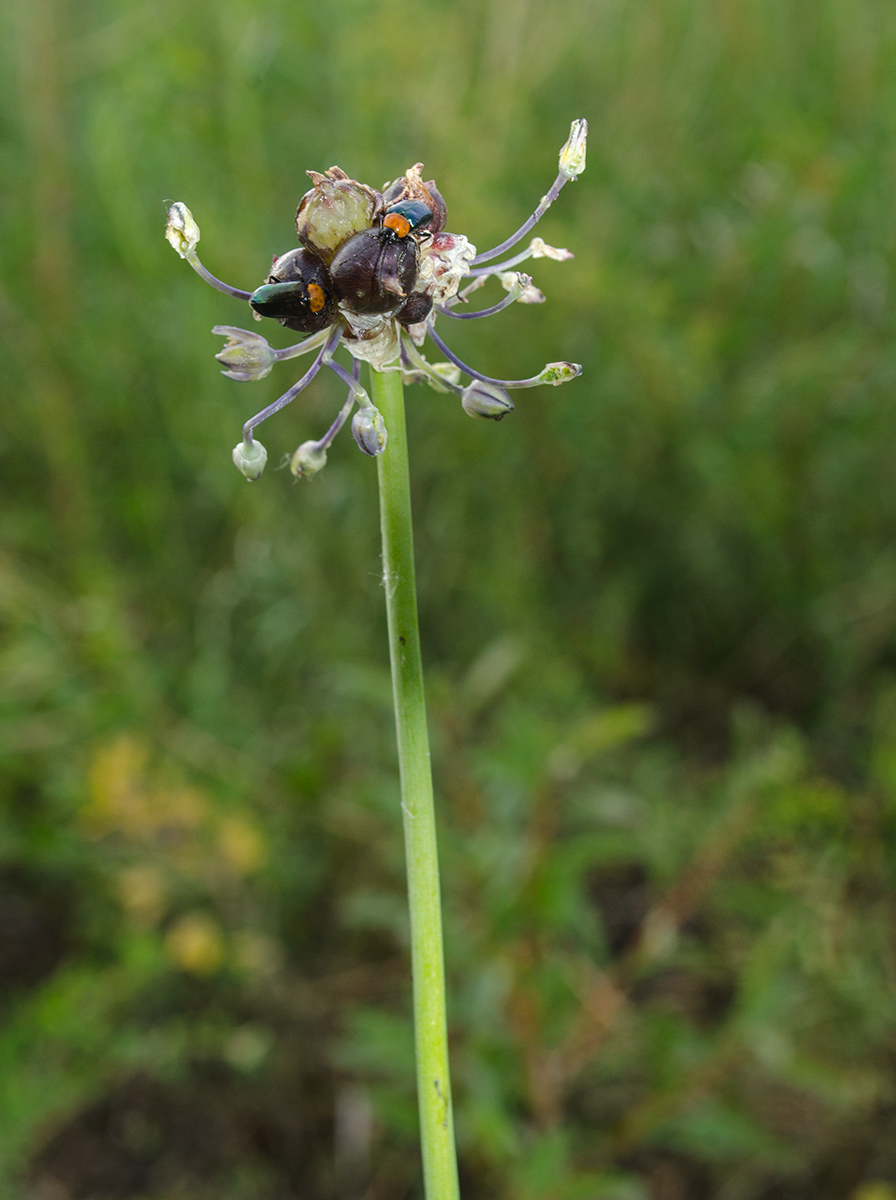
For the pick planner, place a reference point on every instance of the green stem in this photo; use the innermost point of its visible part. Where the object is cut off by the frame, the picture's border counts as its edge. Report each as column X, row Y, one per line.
column 427, row 962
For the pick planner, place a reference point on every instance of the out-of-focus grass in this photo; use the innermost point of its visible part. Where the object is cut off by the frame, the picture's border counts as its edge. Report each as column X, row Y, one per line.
column 657, row 603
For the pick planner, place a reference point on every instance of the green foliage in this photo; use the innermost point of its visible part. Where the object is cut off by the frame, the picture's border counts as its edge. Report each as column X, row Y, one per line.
column 657, row 611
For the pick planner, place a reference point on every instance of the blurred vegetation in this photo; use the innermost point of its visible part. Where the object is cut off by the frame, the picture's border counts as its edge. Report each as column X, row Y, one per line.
column 658, row 611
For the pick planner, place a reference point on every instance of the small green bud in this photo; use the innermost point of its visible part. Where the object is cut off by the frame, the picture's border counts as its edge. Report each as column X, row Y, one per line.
column 336, row 208
column 247, row 355
column 249, row 459
column 572, row 156
column 181, row 231
column 486, row 400
column 369, row 430
column 308, row 460
column 559, row 372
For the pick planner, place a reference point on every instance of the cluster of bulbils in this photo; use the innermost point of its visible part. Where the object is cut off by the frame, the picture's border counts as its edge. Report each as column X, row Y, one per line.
column 372, row 272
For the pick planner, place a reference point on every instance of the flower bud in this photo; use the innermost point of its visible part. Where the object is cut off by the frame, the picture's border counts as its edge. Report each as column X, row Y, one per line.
column 308, row 460
column 249, row 459
column 369, row 430
column 572, row 156
column 486, row 400
column 559, row 372
column 247, row 355
column 334, row 210
column 181, row 231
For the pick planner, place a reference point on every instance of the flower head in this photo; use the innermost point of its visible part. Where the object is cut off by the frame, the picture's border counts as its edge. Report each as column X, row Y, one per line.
column 374, row 271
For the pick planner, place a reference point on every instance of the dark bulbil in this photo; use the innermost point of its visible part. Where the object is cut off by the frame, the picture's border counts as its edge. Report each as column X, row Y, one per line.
column 415, row 309
column 298, row 293
column 374, row 271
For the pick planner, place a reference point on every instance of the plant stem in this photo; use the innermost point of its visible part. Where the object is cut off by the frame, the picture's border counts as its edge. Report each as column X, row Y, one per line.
column 427, row 962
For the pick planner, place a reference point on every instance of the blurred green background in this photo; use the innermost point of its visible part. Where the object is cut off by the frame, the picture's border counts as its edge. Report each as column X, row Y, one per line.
column 658, row 613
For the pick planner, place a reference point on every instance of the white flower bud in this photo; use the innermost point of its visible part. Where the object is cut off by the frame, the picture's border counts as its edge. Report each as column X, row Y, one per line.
column 486, row 400
column 249, row 459
column 181, row 231
column 308, row 460
column 247, row 355
column 369, row 430
column 559, row 372
column 572, row 156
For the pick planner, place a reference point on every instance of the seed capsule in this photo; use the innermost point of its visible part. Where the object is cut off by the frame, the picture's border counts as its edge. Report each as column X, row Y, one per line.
column 334, row 209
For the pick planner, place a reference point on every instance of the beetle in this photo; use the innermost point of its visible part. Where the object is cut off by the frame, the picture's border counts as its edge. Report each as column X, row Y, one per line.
column 406, row 187
column 298, row 293
column 405, row 218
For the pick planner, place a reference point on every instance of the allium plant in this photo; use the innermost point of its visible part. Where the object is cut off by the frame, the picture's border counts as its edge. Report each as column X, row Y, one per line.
column 373, row 272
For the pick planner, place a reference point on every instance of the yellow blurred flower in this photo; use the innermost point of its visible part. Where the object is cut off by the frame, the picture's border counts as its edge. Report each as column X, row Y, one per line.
column 241, row 845
column 117, row 782
column 195, row 944
column 126, row 798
